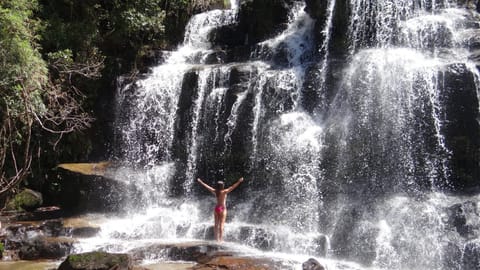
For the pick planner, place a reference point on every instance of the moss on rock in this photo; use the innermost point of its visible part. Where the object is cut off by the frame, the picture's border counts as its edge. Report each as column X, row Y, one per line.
column 97, row 261
column 27, row 200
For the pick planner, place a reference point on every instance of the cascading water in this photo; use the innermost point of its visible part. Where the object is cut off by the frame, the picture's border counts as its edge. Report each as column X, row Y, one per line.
column 358, row 177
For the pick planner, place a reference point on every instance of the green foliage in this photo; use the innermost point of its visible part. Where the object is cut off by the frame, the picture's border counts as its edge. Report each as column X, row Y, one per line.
column 142, row 20
column 23, row 72
column 56, row 56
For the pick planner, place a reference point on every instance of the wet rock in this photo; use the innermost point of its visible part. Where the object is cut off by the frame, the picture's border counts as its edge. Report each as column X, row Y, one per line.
column 355, row 239
column 188, row 94
column 471, row 39
column 27, row 200
column 178, row 252
column 84, row 232
column 340, row 39
column 321, row 245
column 216, row 57
column 41, row 213
column 312, row 264
column 461, row 128
column 241, row 263
column 45, row 248
column 227, row 36
column 470, row 4
column 317, row 10
column 149, row 57
column 452, row 256
column 241, row 75
column 50, row 239
column 260, row 20
column 463, row 217
column 52, row 228
column 26, row 230
column 258, row 237
column 471, row 256
column 97, row 261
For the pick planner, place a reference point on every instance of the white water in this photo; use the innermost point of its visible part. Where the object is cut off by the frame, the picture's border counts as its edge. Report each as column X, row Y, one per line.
column 389, row 82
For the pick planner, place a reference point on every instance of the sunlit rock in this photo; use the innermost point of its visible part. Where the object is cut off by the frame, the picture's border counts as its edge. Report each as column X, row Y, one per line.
column 45, row 248
column 97, row 261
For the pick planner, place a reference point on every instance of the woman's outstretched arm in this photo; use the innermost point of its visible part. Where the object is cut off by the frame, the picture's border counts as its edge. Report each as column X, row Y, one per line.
column 234, row 186
column 212, row 190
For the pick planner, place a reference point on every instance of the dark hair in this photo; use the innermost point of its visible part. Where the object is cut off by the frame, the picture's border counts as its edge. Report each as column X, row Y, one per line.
column 220, row 186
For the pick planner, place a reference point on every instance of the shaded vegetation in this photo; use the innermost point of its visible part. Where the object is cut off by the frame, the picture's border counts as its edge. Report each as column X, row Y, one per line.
column 58, row 63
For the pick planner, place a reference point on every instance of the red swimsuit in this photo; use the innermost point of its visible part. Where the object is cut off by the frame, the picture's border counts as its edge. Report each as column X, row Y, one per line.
column 219, row 209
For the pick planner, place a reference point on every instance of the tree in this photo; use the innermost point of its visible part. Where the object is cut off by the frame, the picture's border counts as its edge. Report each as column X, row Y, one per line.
column 29, row 97
column 23, row 74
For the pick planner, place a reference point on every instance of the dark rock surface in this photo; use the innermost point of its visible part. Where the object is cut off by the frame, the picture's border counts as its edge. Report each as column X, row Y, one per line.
column 461, row 128
column 45, row 248
column 240, row 263
column 312, row 264
column 471, row 256
column 464, row 219
column 260, row 20
column 49, row 239
column 208, row 255
column 191, row 251
column 97, row 261
column 28, row 200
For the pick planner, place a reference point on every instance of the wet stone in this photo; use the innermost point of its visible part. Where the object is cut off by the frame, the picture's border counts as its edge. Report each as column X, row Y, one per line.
column 45, row 248
column 84, row 232
column 178, row 252
column 471, row 255
column 463, row 218
column 241, row 263
column 321, row 245
column 97, row 261
column 312, row 264
column 258, row 237
column 452, row 256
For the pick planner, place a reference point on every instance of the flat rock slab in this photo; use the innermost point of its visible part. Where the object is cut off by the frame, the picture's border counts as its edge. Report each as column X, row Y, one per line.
column 189, row 251
column 28, row 265
column 97, row 261
column 165, row 266
column 240, row 263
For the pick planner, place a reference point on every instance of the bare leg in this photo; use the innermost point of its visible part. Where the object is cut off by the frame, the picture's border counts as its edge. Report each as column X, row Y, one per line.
column 216, row 226
column 223, row 218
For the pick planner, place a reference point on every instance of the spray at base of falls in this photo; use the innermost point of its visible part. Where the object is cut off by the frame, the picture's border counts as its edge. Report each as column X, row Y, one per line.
column 357, row 178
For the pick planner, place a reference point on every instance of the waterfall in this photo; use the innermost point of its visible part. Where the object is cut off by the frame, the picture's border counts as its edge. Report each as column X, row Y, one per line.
column 387, row 133
column 348, row 155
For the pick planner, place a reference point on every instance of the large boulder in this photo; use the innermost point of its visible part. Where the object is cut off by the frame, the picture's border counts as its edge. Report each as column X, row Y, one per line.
column 27, row 200
column 461, row 128
column 45, row 248
column 312, row 264
column 464, row 219
column 191, row 251
column 261, row 20
column 97, row 261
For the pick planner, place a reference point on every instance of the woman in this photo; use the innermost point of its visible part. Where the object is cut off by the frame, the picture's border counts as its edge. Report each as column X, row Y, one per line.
column 220, row 211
